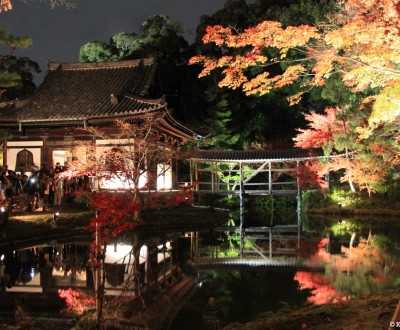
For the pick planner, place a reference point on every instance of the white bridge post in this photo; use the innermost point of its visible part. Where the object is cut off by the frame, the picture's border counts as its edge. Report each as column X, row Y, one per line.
column 241, row 198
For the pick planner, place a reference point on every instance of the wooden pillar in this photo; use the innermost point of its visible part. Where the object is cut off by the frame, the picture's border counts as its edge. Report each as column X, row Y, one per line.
column 97, row 274
column 5, row 160
column 213, row 169
column 174, row 174
column 92, row 156
column 46, row 154
column 241, row 201
column 298, row 198
column 270, row 177
column 270, row 241
column 191, row 172
column 196, row 176
column 197, row 244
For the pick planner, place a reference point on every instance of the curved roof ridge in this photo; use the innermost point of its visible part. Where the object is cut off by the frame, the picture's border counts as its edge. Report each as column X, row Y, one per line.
column 248, row 155
column 141, row 99
column 100, row 65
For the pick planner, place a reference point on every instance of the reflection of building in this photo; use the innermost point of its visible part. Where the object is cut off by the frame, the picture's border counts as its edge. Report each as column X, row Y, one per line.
column 50, row 126
column 155, row 264
column 47, row 269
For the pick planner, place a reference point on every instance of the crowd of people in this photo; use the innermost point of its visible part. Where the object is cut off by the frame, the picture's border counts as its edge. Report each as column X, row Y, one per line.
column 42, row 189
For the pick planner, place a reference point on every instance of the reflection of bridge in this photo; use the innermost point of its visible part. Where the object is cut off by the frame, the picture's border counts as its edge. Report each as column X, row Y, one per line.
column 253, row 173
column 252, row 264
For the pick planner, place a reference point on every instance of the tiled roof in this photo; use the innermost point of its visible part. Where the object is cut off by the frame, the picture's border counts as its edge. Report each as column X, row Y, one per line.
column 78, row 91
column 258, row 155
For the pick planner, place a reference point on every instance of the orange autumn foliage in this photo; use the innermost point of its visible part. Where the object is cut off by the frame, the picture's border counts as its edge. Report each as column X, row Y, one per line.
column 310, row 175
column 5, row 5
column 321, row 131
column 366, row 266
column 365, row 173
column 360, row 43
column 322, row 292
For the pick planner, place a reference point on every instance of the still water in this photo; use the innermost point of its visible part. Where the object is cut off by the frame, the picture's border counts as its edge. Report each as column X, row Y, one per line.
column 272, row 268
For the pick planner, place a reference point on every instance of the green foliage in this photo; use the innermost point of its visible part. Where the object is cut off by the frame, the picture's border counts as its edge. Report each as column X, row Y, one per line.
column 14, row 41
column 20, row 81
column 96, row 51
column 159, row 38
column 315, row 199
column 345, row 227
column 383, row 242
column 127, row 45
column 338, row 197
column 392, row 193
column 160, row 33
column 349, row 199
column 10, row 77
column 221, row 135
column 297, row 12
column 254, row 122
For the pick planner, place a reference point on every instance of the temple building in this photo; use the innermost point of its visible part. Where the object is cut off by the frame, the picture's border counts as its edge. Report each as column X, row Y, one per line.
column 50, row 126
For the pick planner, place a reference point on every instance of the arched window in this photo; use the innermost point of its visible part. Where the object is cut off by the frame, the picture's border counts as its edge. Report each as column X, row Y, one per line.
column 24, row 161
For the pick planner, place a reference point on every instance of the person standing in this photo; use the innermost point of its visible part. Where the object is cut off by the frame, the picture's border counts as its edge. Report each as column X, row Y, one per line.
column 58, row 189
column 44, row 191
column 2, row 190
column 57, row 168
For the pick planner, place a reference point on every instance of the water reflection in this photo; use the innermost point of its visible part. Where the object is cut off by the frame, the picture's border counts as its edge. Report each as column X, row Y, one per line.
column 47, row 268
column 332, row 260
column 40, row 268
column 279, row 267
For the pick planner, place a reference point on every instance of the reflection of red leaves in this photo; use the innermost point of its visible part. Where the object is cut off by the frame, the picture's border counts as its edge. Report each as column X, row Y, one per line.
column 75, row 301
column 322, row 292
column 312, row 247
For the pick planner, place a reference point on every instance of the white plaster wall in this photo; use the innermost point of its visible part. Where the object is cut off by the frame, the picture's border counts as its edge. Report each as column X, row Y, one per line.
column 164, row 177
column 118, row 182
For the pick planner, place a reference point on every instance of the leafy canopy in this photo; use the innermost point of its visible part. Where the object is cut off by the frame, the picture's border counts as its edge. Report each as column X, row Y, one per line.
column 360, row 42
column 6, row 4
column 10, row 78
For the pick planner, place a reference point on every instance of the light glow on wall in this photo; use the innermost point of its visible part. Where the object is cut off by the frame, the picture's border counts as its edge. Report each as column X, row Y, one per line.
column 120, row 182
column 164, row 177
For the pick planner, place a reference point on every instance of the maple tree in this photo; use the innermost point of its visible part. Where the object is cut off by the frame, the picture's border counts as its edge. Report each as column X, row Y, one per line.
column 310, row 174
column 323, row 129
column 5, row 5
column 357, row 44
column 10, row 78
column 358, row 270
column 360, row 42
column 77, row 302
column 365, row 165
column 126, row 171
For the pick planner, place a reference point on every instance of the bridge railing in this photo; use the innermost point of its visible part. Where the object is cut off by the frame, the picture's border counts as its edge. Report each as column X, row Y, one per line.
column 255, row 178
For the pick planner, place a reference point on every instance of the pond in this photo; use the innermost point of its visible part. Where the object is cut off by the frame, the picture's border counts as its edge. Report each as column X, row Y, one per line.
column 273, row 268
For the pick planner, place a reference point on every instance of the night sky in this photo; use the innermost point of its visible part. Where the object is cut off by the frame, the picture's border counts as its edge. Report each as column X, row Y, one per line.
column 58, row 34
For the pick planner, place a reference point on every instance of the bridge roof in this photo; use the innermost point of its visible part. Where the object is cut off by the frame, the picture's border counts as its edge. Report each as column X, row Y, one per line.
column 256, row 155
